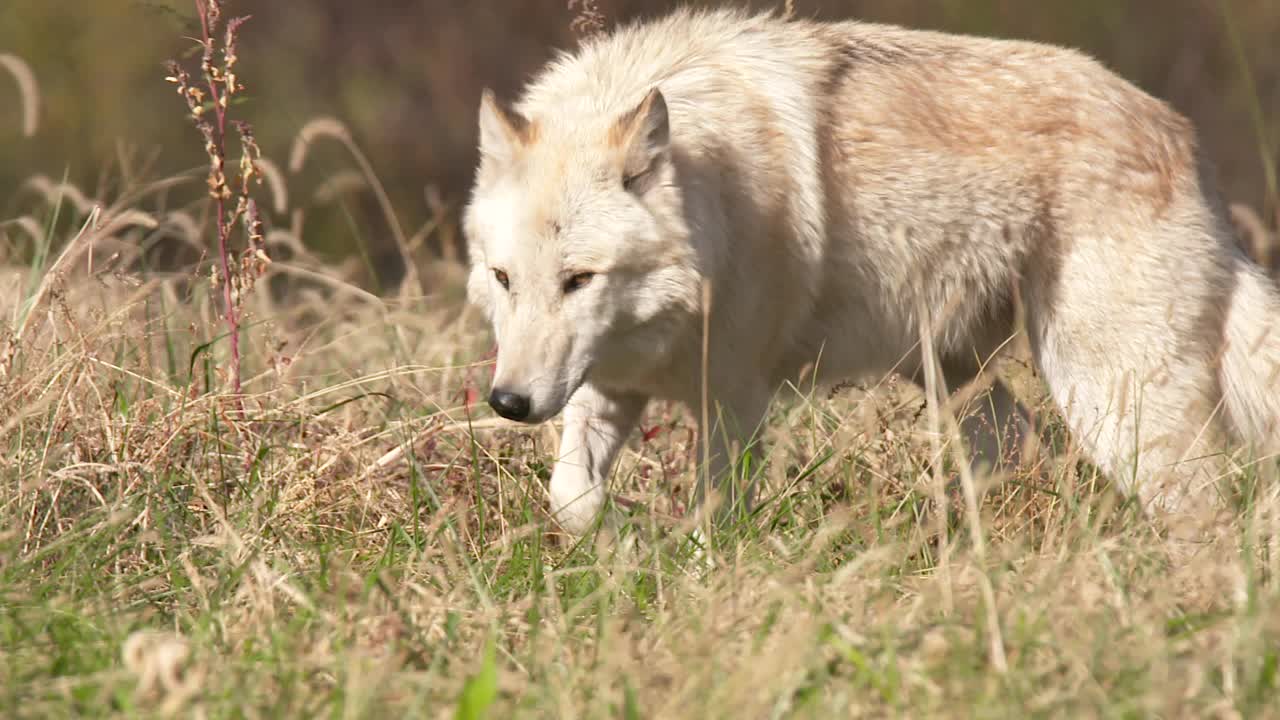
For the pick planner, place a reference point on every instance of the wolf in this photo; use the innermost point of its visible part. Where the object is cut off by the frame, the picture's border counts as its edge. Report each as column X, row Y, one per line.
column 705, row 206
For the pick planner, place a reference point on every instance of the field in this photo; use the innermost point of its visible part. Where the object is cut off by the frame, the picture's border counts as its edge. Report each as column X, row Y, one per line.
column 355, row 535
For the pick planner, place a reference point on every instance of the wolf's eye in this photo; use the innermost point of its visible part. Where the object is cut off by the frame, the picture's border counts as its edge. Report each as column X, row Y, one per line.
column 502, row 279
column 578, row 281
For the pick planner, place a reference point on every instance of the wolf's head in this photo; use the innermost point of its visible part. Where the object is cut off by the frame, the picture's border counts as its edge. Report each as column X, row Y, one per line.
column 577, row 248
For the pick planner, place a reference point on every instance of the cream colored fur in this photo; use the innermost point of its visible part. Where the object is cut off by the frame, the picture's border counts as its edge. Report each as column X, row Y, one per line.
column 829, row 179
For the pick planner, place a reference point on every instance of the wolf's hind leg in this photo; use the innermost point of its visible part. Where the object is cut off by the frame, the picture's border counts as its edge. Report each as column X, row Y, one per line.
column 596, row 426
column 1153, row 431
column 1129, row 357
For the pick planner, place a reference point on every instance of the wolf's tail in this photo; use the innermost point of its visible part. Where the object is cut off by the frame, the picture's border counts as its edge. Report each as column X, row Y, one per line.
column 1250, row 371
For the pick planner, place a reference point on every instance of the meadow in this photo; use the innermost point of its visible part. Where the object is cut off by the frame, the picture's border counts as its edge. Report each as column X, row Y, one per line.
column 323, row 517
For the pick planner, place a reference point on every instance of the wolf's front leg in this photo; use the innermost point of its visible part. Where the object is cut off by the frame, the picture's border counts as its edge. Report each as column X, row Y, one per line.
column 596, row 425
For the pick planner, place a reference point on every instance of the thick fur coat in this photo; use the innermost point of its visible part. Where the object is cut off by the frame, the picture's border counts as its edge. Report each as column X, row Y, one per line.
column 842, row 188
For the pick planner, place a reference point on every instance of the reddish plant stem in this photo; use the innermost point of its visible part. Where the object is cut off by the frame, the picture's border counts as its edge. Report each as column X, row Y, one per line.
column 224, row 231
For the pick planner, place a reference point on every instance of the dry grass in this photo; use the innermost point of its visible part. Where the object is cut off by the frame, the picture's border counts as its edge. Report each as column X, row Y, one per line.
column 357, row 537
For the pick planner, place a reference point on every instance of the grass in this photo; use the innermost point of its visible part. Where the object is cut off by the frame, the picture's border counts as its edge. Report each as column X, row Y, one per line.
column 356, row 536
column 361, row 543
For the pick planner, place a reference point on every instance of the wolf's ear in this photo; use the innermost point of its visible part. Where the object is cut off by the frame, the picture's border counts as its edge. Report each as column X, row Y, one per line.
column 503, row 131
column 644, row 135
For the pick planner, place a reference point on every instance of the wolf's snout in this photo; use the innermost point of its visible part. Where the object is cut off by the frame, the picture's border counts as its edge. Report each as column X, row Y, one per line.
column 509, row 405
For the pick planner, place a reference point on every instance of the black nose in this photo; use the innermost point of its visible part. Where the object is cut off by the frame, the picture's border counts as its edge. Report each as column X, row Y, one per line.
column 509, row 405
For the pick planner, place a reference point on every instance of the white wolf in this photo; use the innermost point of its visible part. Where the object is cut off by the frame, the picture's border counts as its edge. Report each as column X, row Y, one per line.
column 828, row 181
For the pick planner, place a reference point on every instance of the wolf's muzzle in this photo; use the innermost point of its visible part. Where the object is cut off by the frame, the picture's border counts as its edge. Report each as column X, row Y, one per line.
column 509, row 405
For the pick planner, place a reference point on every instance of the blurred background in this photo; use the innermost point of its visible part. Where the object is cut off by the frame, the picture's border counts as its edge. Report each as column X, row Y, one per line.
column 405, row 77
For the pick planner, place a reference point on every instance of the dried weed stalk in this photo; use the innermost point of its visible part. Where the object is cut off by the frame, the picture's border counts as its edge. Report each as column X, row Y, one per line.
column 235, row 277
column 588, row 20
column 28, row 91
